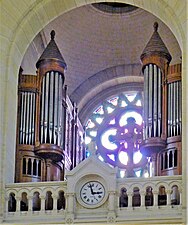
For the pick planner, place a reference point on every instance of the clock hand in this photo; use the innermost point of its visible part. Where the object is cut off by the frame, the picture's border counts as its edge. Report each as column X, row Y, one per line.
column 90, row 186
column 98, row 192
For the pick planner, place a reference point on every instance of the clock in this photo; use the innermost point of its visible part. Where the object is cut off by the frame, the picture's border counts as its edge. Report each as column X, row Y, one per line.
column 92, row 193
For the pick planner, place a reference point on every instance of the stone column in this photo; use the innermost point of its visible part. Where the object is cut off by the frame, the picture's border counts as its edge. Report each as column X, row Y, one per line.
column 6, row 203
column 70, row 208
column 42, row 203
column 130, row 196
column 155, row 198
column 111, row 202
column 180, row 191
column 30, row 203
column 54, row 196
column 168, row 193
column 142, row 193
column 18, row 199
column 70, row 202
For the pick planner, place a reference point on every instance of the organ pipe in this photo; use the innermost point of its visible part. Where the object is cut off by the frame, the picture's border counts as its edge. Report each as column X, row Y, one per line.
column 27, row 117
column 177, row 108
column 152, row 103
column 174, row 108
column 51, row 102
column 21, row 120
column 146, row 101
column 33, row 118
column 171, row 116
column 169, row 112
column 180, row 97
column 30, row 118
column 56, row 101
column 155, row 105
column 150, row 118
column 159, row 101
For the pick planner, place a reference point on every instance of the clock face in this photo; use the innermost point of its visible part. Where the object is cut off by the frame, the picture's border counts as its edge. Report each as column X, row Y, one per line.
column 92, row 193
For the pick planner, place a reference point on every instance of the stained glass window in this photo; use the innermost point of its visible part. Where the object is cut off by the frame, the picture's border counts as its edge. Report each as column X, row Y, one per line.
column 116, row 128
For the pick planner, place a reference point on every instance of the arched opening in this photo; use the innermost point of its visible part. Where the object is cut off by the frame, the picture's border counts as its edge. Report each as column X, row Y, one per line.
column 123, row 199
column 36, row 202
column 24, row 202
column 48, row 201
column 175, row 195
column 136, row 200
column 162, row 197
column 149, row 197
column 12, row 203
column 61, row 201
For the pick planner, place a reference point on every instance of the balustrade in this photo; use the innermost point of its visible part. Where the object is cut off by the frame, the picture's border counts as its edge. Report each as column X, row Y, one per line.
column 131, row 193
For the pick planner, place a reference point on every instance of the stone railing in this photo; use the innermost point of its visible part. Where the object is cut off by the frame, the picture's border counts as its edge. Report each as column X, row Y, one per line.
column 31, row 201
column 135, row 199
column 164, row 190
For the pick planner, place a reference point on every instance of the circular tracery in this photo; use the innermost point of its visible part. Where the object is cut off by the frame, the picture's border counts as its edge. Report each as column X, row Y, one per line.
column 116, row 128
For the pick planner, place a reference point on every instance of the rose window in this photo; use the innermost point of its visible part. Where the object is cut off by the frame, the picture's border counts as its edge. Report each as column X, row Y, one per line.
column 116, row 128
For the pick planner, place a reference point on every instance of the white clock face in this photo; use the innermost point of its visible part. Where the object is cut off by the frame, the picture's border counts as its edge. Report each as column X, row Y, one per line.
column 92, row 193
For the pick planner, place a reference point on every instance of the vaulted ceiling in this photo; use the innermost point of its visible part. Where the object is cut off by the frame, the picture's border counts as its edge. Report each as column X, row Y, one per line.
column 102, row 51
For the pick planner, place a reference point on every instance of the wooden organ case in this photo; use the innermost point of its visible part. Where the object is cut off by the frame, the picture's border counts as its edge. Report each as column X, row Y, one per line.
column 49, row 133
column 162, row 108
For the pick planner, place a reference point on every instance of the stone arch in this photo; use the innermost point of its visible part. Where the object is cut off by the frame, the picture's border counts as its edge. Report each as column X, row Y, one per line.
column 22, row 28
column 118, row 73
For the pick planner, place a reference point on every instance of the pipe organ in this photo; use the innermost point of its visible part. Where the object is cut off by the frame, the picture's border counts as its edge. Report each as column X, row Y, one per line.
column 162, row 108
column 50, row 135
column 47, row 144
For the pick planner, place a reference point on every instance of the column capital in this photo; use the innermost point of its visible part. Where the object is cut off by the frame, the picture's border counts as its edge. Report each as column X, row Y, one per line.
column 112, row 192
column 129, row 193
column 168, row 191
column 67, row 194
column 18, row 198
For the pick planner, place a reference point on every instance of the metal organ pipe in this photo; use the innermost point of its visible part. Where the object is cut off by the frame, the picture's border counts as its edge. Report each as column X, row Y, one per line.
column 179, row 105
column 33, row 118
column 24, row 117
column 152, row 103
column 42, row 114
column 46, row 93
column 27, row 117
column 56, row 101
column 159, row 101
column 30, row 116
column 21, row 119
column 177, row 108
column 169, row 110
column 150, row 118
column 60, row 111
column 146, row 102
column 155, row 105
column 27, row 120
column 174, row 108
column 51, row 104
